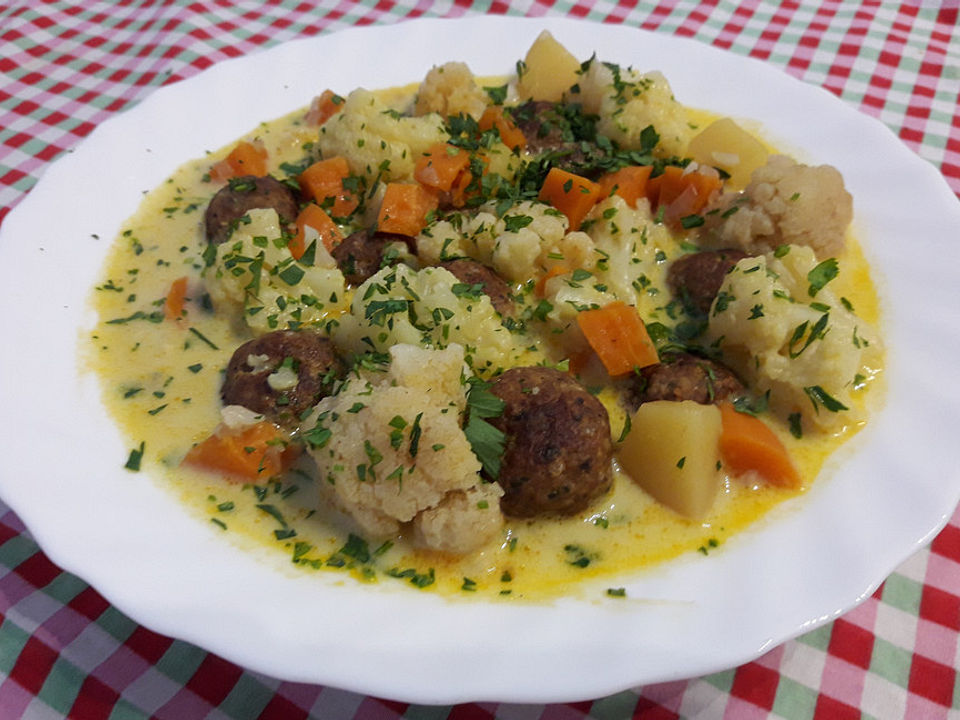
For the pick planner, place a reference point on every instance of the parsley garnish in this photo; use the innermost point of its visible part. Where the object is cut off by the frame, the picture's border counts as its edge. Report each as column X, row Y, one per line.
column 136, row 456
column 154, row 317
column 203, row 338
column 821, row 275
column 513, row 223
column 496, row 94
column 486, row 441
column 817, row 332
column 818, row 396
column 357, row 548
column 752, row 406
column 292, row 274
column 415, row 432
column 796, row 428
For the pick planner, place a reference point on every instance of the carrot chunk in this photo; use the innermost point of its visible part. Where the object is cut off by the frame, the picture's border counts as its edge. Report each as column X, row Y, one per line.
column 510, row 134
column 748, row 444
column 405, row 208
column 680, row 193
column 174, row 304
column 322, row 183
column 256, row 452
column 245, row 159
column 323, row 107
column 441, row 167
column 313, row 216
column 618, row 337
column 571, row 194
column 630, row 183
column 540, row 288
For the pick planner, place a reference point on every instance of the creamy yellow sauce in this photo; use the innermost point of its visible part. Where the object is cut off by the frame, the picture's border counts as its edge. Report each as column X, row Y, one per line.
column 162, row 381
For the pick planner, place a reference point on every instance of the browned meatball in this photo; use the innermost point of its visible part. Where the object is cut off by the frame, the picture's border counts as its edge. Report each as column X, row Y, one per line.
column 547, row 130
column 681, row 376
column 696, row 278
column 241, row 195
column 361, row 254
column 541, row 127
column 471, row 272
column 310, row 355
column 558, row 449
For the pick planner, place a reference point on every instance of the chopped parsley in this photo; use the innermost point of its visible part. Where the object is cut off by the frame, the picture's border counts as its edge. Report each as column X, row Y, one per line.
column 821, row 398
column 821, row 275
column 135, row 458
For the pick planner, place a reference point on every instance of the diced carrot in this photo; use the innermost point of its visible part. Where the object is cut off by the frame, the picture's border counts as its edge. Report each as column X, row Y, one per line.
column 681, row 193
column 653, row 189
column 693, row 198
column 313, row 216
column 173, row 306
column 441, row 166
column 256, row 452
column 245, row 159
column 458, row 193
column 510, row 134
column 323, row 107
column 571, row 194
column 748, row 444
column 705, row 183
column 618, row 337
column 405, row 208
column 541, row 286
column 322, row 182
column 666, row 186
column 630, row 183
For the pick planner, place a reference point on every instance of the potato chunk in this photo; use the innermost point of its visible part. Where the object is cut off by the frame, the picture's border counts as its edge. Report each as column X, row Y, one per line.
column 550, row 70
column 726, row 145
column 672, row 453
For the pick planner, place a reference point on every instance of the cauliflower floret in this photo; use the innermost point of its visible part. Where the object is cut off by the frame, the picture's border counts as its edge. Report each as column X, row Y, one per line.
column 450, row 90
column 786, row 203
column 461, row 518
column 427, row 307
column 518, row 245
column 376, row 140
column 806, row 350
column 628, row 102
column 434, row 372
column 634, row 249
column 255, row 278
column 626, row 261
column 389, row 448
column 460, row 236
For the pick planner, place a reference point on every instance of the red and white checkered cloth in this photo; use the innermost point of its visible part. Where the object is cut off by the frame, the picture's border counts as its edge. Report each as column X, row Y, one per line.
column 65, row 67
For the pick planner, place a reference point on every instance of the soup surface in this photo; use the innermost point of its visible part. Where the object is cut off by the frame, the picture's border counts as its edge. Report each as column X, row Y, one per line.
column 793, row 320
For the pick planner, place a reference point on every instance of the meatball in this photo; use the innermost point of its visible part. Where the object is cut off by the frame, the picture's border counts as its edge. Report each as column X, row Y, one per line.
column 282, row 374
column 492, row 285
column 696, row 278
column 242, row 195
column 547, row 130
column 361, row 254
column 533, row 119
column 682, row 376
column 558, row 449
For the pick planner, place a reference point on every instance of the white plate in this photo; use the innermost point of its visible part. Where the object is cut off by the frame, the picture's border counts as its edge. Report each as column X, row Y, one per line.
column 809, row 562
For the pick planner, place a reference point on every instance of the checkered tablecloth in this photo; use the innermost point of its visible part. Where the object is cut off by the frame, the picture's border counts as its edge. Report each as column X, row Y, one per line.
column 67, row 66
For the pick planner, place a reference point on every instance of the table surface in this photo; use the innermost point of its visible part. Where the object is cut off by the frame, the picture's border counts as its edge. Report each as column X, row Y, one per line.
column 65, row 67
